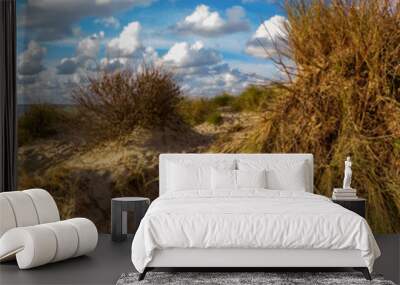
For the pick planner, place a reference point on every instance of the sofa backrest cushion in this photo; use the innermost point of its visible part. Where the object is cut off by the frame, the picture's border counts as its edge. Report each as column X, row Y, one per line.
column 26, row 208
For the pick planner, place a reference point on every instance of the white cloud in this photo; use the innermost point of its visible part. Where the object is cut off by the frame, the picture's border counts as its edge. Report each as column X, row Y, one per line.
column 110, row 65
column 30, row 61
column 87, row 51
column 147, row 56
column 266, row 36
column 127, row 43
column 123, row 51
column 199, row 69
column 202, row 71
column 186, row 55
column 67, row 65
column 217, row 79
column 89, row 47
column 150, row 55
column 206, row 23
column 203, row 19
column 109, row 22
column 53, row 20
column 264, row 69
column 49, row 87
column 103, row 2
column 158, row 42
column 127, row 51
column 236, row 14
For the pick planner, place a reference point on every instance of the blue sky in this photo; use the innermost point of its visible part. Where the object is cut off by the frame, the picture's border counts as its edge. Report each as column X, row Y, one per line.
column 212, row 46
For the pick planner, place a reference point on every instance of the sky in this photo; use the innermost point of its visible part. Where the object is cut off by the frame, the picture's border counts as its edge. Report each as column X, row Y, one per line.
column 211, row 46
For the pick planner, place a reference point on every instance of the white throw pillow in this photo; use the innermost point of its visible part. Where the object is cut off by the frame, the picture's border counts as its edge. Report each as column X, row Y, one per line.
column 226, row 179
column 223, row 179
column 185, row 174
column 188, row 177
column 251, row 178
column 281, row 174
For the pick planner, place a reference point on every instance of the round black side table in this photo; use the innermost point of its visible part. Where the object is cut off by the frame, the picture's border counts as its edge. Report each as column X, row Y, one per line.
column 119, row 208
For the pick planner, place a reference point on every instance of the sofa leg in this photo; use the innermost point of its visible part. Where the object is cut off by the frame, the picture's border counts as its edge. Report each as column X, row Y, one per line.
column 143, row 274
column 364, row 271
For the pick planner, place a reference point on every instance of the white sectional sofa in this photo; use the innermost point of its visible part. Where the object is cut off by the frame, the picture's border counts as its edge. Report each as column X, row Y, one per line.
column 31, row 230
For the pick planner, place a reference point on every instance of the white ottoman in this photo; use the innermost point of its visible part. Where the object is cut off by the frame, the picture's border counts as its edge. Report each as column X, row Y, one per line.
column 31, row 232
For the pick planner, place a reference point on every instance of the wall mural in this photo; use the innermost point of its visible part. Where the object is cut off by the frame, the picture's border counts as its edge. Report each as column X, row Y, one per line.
column 105, row 86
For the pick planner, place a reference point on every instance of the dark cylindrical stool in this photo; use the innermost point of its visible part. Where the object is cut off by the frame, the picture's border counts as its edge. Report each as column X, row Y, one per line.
column 119, row 208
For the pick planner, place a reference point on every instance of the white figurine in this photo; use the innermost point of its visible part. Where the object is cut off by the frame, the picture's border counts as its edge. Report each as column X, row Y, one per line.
column 347, row 173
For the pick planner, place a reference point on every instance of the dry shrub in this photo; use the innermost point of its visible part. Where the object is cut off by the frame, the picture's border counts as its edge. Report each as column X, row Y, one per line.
column 116, row 103
column 342, row 96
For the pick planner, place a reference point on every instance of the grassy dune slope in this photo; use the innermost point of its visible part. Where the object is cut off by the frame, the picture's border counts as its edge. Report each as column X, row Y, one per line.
column 342, row 98
column 84, row 176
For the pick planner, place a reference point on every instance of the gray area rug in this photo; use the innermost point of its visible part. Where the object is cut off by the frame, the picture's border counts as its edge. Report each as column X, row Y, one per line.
column 269, row 278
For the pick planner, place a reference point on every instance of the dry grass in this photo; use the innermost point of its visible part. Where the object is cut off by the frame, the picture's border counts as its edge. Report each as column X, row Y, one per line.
column 342, row 96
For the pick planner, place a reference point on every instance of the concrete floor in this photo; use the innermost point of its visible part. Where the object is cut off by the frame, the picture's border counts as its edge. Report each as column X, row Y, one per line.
column 103, row 266
column 110, row 260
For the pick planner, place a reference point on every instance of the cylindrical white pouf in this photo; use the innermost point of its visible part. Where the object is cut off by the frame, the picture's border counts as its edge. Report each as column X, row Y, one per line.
column 87, row 234
column 34, row 246
column 67, row 240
